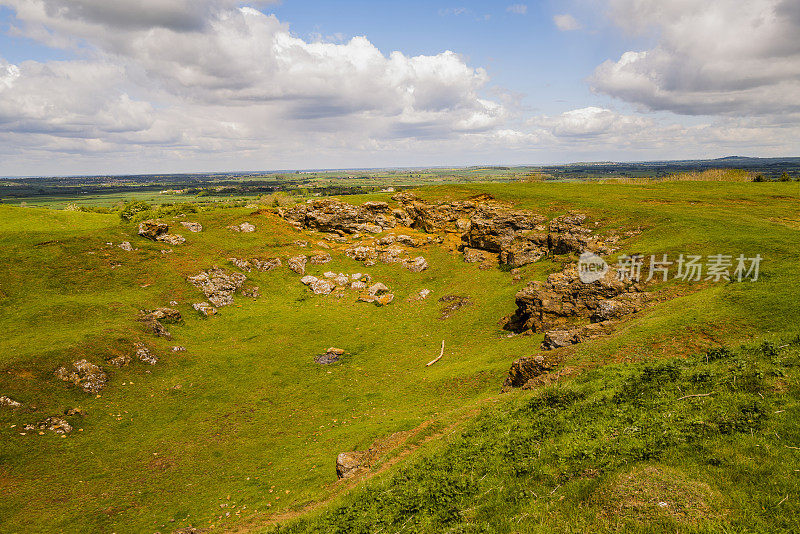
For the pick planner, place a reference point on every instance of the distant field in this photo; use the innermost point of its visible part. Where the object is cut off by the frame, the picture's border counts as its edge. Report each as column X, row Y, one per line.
column 242, row 429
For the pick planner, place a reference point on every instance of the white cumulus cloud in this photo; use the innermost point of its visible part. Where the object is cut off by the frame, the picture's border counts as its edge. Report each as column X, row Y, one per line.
column 566, row 22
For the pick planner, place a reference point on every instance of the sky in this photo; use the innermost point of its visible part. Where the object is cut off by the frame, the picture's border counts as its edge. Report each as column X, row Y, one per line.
column 164, row 86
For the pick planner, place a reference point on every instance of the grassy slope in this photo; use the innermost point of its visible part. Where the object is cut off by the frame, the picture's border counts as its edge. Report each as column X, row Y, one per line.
column 253, row 412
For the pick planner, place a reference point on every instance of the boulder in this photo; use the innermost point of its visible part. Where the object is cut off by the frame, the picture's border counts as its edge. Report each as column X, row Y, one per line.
column 308, row 280
column 322, row 287
column 152, row 229
column 341, row 279
column 126, row 246
column 417, row 265
column 165, row 315
column 192, row 226
column 297, row 264
column 378, row 289
column 358, row 285
column 267, row 264
column 87, row 376
column 383, row 300
column 245, row 227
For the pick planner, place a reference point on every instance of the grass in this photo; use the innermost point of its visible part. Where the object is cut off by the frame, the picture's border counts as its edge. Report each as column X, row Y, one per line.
column 245, row 419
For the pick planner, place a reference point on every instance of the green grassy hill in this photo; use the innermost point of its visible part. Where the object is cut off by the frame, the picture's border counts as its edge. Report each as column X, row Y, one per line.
column 241, row 431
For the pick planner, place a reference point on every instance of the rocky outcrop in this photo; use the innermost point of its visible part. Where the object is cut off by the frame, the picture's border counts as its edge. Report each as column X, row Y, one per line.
column 555, row 339
column 563, row 300
column 255, row 263
column 353, row 463
column 152, row 229
column 218, row 285
column 87, row 376
column 171, row 239
column 332, row 215
column 205, row 309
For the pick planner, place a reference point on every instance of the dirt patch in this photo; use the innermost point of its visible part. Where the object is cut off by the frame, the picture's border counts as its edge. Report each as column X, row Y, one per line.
column 453, row 303
column 651, row 493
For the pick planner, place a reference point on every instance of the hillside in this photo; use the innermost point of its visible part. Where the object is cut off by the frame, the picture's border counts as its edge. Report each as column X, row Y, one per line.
column 229, row 422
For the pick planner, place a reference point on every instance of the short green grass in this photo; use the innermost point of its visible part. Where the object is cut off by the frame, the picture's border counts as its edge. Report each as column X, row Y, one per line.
column 245, row 419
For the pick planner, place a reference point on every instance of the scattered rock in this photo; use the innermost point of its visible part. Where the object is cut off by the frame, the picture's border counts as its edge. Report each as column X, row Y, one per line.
column 126, row 246
column 245, row 227
column 218, row 285
column 308, row 280
column 87, row 376
column 143, row 354
column 297, row 264
column 358, row 285
column 152, row 229
column 8, row 402
column 171, row 239
column 178, row 348
column 383, row 300
column 165, row 315
column 55, row 424
column 350, row 464
column 322, row 287
column 424, row 294
column 378, row 289
column 192, row 226
column 341, row 279
column 77, row 411
column 332, row 355
column 267, row 264
column 205, row 309
column 417, row 265
column 252, row 292
column 320, row 258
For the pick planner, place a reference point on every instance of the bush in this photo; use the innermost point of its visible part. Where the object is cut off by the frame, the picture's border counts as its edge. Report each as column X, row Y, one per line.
column 130, row 209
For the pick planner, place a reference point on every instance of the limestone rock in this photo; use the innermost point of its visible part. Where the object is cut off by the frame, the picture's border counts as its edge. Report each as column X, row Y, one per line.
column 453, row 303
column 192, row 226
column 298, row 264
column 87, row 376
column 417, row 265
column 383, row 300
column 322, row 287
column 245, row 227
column 126, row 246
column 358, row 285
column 143, row 354
column 8, row 402
column 267, row 264
column 152, row 229
column 205, row 309
column 56, row 424
column 321, row 258
column 218, row 285
column 423, row 294
column 378, row 289
column 332, row 355
column 171, row 239
column 341, row 279
column 165, row 315
column 308, row 280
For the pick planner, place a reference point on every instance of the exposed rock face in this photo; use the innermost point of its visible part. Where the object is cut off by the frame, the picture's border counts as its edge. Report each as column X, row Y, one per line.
column 563, row 298
column 525, row 369
column 350, row 464
column 554, row 339
column 218, row 285
column 298, row 264
column 152, row 229
column 8, row 402
column 87, row 376
column 331, row 215
column 192, row 226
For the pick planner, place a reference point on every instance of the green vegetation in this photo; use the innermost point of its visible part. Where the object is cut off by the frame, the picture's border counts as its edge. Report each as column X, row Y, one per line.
column 699, row 444
column 243, row 428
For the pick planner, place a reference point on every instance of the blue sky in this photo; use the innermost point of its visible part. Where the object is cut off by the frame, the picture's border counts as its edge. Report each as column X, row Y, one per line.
column 88, row 86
